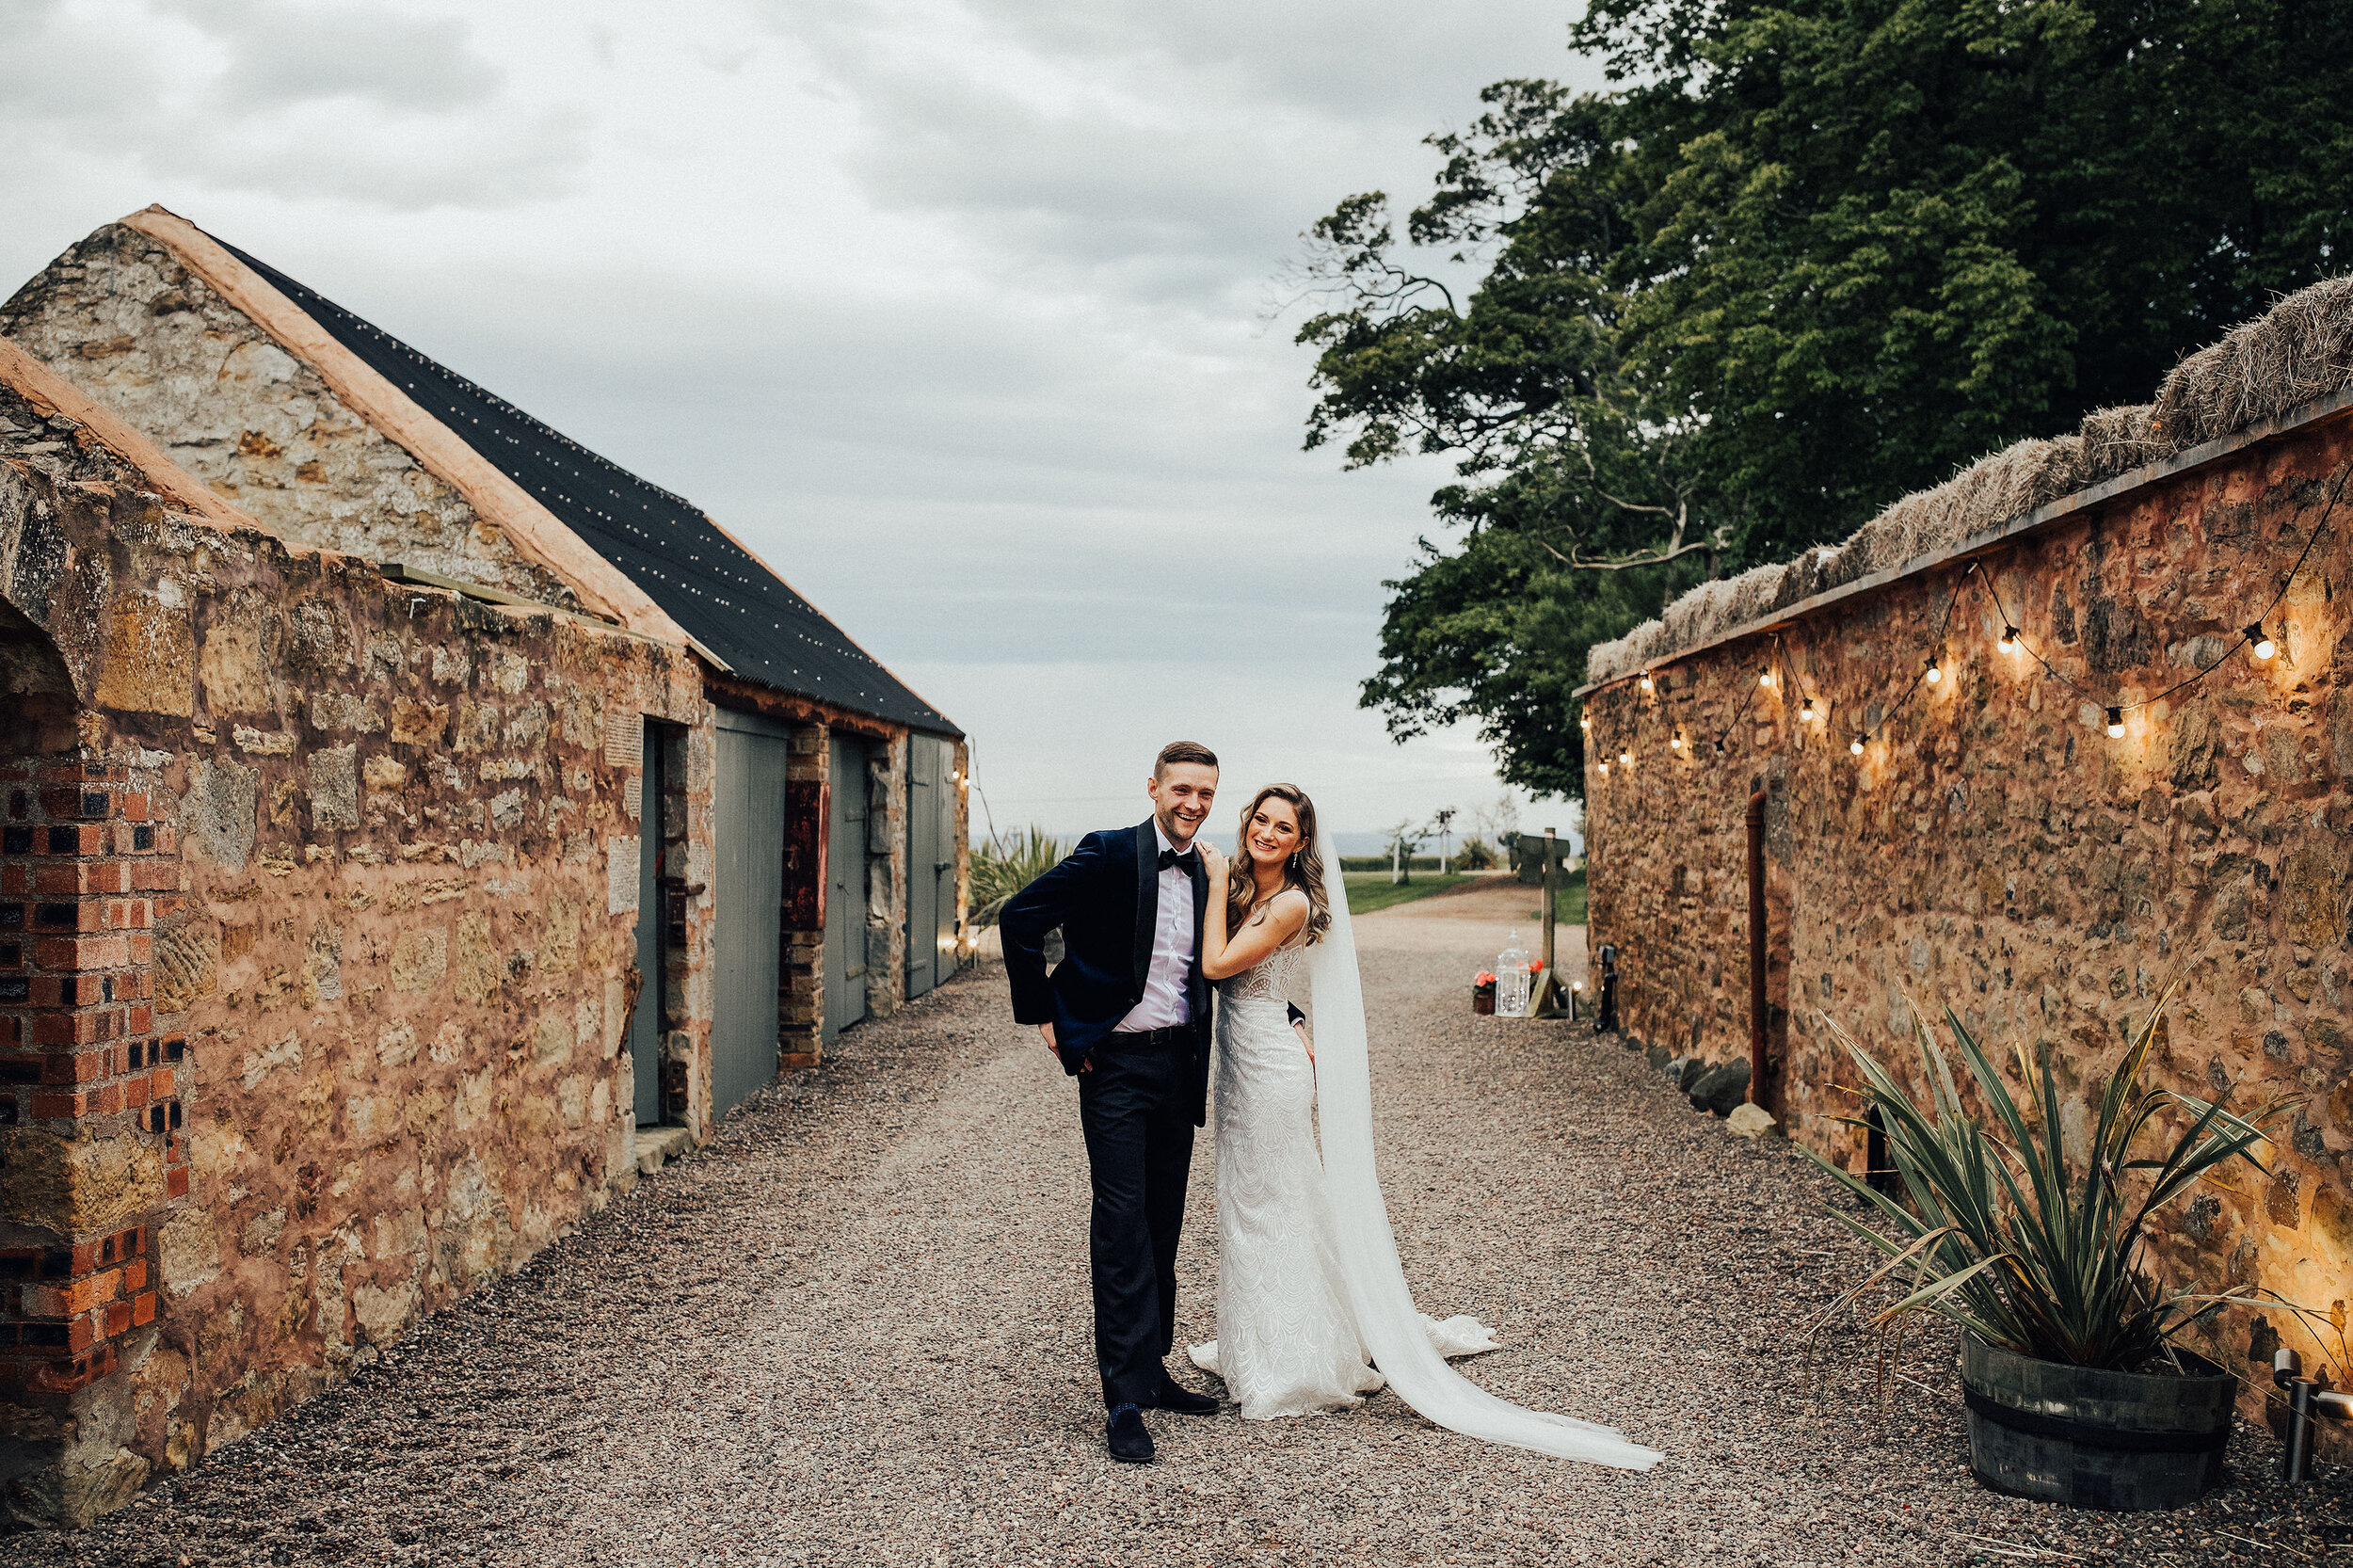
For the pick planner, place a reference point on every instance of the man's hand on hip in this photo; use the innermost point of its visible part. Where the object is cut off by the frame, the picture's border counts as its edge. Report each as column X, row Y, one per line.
column 1046, row 1032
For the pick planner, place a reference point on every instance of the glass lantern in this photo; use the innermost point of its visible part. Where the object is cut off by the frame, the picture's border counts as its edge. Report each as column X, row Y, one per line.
column 1511, row 979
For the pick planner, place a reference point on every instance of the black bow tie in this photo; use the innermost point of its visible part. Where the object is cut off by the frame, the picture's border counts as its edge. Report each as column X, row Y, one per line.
column 1182, row 857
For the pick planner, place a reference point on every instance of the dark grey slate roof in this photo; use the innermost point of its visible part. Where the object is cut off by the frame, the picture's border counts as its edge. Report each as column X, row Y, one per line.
column 712, row 587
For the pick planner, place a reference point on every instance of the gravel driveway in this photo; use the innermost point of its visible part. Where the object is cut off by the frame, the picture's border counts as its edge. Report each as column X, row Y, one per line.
column 854, row 1330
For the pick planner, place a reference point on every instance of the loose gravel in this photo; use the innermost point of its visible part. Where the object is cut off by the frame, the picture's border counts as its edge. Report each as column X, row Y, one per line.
column 854, row 1330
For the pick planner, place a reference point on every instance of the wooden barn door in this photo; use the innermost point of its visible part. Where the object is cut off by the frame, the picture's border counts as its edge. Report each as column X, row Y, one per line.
column 748, row 890
column 931, row 863
column 845, row 892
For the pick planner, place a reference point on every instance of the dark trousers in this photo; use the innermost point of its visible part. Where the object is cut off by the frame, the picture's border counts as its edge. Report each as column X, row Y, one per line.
column 1135, row 1106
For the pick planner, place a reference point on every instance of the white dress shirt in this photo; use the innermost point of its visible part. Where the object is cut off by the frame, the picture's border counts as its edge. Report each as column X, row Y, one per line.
column 1164, row 1003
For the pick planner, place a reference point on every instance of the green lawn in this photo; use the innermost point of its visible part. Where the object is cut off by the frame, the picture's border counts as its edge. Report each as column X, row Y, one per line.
column 1370, row 890
column 1568, row 900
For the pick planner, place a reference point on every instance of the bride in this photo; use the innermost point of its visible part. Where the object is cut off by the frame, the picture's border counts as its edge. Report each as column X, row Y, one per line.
column 1310, row 1294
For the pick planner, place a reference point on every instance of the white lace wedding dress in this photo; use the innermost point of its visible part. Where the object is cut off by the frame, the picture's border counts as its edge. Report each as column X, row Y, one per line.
column 1286, row 1342
column 1310, row 1294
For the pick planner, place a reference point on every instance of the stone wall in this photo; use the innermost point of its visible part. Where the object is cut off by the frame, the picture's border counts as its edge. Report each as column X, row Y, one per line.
column 1995, row 850
column 316, row 957
column 123, row 319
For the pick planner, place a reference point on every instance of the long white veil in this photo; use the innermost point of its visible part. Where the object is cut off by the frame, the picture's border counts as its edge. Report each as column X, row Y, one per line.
column 1393, row 1330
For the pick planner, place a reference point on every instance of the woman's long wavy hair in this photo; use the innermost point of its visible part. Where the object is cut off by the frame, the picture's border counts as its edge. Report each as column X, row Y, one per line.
column 1304, row 871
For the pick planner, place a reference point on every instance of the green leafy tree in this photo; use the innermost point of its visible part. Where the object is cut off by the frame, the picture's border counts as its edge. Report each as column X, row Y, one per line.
column 1802, row 258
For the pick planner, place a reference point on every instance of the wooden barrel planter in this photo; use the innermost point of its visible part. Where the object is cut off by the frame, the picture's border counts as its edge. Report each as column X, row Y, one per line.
column 2090, row 1438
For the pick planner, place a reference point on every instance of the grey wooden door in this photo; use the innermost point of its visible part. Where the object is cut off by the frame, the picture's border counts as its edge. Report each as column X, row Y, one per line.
column 846, row 890
column 931, row 863
column 747, row 888
column 645, row 1025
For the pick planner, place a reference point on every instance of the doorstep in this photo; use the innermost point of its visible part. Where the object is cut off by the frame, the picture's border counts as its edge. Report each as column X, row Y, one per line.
column 658, row 1146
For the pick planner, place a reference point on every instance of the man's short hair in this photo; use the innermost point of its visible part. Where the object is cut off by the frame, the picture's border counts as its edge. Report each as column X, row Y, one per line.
column 1183, row 751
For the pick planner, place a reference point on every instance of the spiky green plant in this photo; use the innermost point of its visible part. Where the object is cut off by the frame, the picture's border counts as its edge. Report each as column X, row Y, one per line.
column 2005, row 1236
column 1001, row 870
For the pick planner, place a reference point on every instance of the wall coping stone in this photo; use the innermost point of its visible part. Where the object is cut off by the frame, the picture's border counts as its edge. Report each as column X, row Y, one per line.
column 2315, row 412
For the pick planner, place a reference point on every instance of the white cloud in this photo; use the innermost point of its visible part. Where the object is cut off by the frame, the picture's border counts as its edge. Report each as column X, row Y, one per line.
column 354, row 104
column 282, row 53
column 948, row 306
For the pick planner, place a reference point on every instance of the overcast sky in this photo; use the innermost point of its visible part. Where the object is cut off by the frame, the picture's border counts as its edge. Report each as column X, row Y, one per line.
column 952, row 309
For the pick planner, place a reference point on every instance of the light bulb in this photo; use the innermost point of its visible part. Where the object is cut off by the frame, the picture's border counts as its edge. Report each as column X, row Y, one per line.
column 1855, row 745
column 1765, row 676
column 1583, row 722
column 1675, row 743
column 1646, row 681
column 1604, row 770
column 1625, row 758
column 2264, row 647
column 2116, row 724
column 1933, row 675
column 2010, row 639
column 1806, row 709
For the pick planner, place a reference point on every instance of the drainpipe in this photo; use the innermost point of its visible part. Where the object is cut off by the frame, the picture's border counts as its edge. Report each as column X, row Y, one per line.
column 1756, row 948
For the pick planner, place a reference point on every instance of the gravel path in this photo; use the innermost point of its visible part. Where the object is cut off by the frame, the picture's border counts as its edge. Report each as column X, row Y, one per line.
column 854, row 1330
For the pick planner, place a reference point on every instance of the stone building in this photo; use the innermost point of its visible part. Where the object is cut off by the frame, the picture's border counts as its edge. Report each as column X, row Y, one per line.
column 1993, row 776
column 409, row 834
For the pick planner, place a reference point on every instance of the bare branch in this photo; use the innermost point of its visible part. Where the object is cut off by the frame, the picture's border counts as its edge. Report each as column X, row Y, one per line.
column 1715, row 540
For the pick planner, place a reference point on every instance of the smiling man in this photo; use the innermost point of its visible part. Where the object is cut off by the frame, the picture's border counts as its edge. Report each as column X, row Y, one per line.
column 1128, row 1012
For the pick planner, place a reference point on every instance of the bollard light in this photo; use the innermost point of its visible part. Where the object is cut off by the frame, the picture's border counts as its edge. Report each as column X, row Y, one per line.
column 2307, row 1400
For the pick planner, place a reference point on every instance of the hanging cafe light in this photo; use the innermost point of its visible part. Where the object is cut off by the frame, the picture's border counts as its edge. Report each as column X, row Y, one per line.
column 1765, row 676
column 1932, row 675
column 1646, row 681
column 1625, row 758
column 2259, row 642
column 2116, row 724
column 2009, row 640
column 1675, row 742
column 1855, row 745
column 1806, row 709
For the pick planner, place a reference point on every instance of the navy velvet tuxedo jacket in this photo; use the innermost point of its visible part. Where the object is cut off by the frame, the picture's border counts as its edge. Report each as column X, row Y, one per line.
column 1105, row 898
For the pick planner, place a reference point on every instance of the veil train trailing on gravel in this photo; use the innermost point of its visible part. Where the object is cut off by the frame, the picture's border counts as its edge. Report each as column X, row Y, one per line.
column 1392, row 1329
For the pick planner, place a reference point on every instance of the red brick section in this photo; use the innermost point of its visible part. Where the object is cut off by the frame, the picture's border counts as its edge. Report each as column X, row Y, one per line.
column 81, row 859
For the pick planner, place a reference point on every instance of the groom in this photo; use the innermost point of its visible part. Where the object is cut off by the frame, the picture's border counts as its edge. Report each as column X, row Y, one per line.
column 1128, row 1012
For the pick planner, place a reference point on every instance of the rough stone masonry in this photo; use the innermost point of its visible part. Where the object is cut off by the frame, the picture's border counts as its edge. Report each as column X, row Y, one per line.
column 1991, row 848
column 316, row 957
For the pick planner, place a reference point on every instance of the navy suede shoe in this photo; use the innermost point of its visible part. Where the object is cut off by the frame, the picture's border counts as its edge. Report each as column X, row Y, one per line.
column 1176, row 1396
column 1126, row 1436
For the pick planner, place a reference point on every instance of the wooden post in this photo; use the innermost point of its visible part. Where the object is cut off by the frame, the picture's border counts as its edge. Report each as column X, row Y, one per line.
column 1551, row 997
column 1552, row 862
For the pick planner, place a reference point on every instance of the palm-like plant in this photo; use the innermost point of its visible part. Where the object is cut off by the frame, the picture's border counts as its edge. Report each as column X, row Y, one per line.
column 2004, row 1236
column 1001, row 870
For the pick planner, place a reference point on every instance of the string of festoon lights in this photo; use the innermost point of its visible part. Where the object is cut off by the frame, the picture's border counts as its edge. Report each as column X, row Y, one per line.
column 1777, row 669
